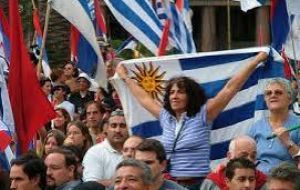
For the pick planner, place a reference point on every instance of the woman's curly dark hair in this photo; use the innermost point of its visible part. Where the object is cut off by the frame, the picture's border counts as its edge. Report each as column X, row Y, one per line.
column 195, row 95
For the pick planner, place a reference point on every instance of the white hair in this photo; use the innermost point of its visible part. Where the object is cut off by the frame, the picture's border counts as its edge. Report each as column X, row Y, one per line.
column 234, row 141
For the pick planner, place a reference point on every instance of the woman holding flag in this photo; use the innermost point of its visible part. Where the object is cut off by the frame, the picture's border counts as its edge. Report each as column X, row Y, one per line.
column 186, row 118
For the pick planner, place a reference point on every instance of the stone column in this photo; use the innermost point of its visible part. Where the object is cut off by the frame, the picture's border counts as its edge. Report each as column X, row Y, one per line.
column 208, row 29
column 263, row 26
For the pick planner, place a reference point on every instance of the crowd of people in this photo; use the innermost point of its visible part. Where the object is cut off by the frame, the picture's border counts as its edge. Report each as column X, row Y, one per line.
column 89, row 145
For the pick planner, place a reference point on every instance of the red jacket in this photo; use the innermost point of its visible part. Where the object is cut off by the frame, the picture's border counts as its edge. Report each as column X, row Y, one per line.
column 218, row 178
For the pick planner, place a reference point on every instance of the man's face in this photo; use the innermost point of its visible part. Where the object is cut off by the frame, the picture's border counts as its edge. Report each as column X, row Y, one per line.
column 57, row 171
column 129, row 178
column 117, row 131
column 83, row 84
column 130, row 145
column 276, row 184
column 243, row 149
column 150, row 158
column 93, row 116
column 20, row 180
column 243, row 179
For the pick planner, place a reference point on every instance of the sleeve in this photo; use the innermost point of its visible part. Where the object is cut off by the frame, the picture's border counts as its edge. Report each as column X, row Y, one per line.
column 207, row 184
column 92, row 168
column 251, row 131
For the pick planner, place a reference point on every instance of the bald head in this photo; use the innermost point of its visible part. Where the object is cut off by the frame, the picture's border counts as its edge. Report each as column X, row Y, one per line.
column 130, row 145
column 242, row 146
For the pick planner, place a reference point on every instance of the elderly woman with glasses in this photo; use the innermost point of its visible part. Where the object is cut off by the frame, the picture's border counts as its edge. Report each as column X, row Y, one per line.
column 271, row 152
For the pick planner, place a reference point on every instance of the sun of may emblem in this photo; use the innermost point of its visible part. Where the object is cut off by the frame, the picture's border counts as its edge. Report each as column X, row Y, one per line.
column 150, row 79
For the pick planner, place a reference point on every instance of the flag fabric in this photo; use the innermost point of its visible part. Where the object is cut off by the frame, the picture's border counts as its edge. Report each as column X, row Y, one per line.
column 184, row 8
column 82, row 51
column 293, row 6
column 139, row 19
column 292, row 43
column 212, row 70
column 31, row 108
column 279, row 23
column 78, row 14
column 5, row 158
column 5, row 106
column 39, row 40
column 4, row 38
column 4, row 136
column 99, row 17
column 250, row 4
column 178, row 29
column 176, row 25
column 129, row 43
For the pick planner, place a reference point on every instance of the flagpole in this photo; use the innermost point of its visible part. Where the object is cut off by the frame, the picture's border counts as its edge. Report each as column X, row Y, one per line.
column 291, row 32
column 47, row 16
column 34, row 35
column 228, row 26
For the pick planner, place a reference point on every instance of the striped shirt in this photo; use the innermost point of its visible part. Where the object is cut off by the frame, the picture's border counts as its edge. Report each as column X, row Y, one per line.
column 191, row 155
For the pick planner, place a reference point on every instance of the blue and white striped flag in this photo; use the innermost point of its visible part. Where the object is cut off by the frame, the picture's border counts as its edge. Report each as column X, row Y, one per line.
column 7, row 125
column 212, row 70
column 139, row 19
column 78, row 14
column 130, row 43
column 182, row 36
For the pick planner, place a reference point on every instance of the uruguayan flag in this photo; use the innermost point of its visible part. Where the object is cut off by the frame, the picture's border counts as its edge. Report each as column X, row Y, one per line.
column 75, row 13
column 139, row 19
column 212, row 70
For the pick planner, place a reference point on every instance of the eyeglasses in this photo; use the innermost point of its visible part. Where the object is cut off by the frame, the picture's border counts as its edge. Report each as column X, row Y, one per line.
column 268, row 93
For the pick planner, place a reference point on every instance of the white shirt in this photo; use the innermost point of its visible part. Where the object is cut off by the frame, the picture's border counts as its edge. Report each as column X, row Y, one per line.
column 100, row 162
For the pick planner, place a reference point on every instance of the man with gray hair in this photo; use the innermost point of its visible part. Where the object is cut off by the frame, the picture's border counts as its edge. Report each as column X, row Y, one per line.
column 239, row 147
column 132, row 174
column 284, row 177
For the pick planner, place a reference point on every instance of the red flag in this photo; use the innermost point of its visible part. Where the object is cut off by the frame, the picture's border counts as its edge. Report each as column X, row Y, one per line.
column 30, row 107
column 179, row 5
column 99, row 17
column 288, row 69
column 74, row 38
column 164, row 39
column 36, row 22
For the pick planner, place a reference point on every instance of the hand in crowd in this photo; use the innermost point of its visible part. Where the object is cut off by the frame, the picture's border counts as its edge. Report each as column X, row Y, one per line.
column 283, row 134
column 262, row 56
column 122, row 71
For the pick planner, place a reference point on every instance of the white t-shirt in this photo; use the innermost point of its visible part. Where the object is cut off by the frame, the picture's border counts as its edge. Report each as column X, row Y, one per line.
column 100, row 162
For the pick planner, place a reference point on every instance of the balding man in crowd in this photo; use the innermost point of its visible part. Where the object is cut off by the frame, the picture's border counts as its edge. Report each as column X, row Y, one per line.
column 101, row 160
column 243, row 146
column 130, row 145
